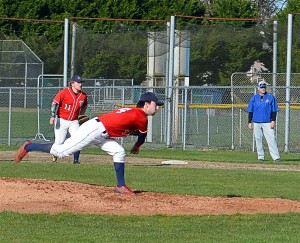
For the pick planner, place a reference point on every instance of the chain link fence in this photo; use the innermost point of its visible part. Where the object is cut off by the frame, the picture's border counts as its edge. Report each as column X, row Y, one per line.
column 211, row 117
column 205, row 99
column 19, row 65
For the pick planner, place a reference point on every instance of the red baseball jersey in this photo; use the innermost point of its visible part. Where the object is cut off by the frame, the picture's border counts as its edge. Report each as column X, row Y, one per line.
column 69, row 103
column 124, row 121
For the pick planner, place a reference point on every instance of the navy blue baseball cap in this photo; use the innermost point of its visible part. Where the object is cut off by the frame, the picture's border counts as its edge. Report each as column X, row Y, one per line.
column 77, row 79
column 149, row 96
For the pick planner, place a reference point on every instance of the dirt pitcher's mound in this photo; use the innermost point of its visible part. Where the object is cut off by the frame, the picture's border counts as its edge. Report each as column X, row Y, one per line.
column 43, row 196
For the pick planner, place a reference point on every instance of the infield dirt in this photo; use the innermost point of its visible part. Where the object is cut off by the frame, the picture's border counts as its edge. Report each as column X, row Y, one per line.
column 45, row 196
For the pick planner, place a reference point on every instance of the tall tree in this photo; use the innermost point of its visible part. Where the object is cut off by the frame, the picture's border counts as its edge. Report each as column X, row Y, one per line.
column 269, row 8
column 266, row 8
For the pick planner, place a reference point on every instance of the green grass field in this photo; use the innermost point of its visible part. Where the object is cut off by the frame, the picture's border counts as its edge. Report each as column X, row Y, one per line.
column 66, row 227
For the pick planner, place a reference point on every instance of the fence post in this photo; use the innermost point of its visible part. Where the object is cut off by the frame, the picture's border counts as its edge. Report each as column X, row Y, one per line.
column 170, row 81
column 275, row 44
column 66, row 46
column 9, row 119
column 288, row 81
column 185, row 118
column 232, row 113
column 73, row 49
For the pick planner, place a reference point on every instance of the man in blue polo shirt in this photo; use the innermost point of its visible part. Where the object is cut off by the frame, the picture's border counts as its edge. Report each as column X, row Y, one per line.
column 263, row 110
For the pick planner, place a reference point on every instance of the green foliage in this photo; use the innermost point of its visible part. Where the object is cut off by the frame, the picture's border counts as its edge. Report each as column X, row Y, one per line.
column 46, row 41
column 134, row 67
column 236, row 9
column 214, row 56
column 113, row 55
column 216, row 53
column 292, row 6
column 101, row 65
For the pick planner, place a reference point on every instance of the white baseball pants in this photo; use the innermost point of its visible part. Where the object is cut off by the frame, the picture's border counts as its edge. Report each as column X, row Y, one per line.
column 91, row 133
column 62, row 127
column 264, row 129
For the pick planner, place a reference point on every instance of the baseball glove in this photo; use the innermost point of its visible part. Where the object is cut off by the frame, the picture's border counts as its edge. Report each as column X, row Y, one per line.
column 82, row 119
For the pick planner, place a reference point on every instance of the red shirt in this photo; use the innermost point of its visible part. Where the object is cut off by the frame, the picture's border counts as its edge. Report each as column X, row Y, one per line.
column 124, row 121
column 69, row 103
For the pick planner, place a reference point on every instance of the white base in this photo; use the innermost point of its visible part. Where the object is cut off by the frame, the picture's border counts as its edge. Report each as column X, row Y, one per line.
column 174, row 162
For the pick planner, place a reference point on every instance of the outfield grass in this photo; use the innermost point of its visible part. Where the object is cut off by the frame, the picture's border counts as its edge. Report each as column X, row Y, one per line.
column 99, row 228
column 16, row 227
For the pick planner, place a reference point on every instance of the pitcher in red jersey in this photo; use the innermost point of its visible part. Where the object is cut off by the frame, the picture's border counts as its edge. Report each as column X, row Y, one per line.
column 101, row 131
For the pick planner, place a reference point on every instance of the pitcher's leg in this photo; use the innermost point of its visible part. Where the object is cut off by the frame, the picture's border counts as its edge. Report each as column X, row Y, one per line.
column 120, row 173
column 27, row 146
column 113, row 148
column 84, row 137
